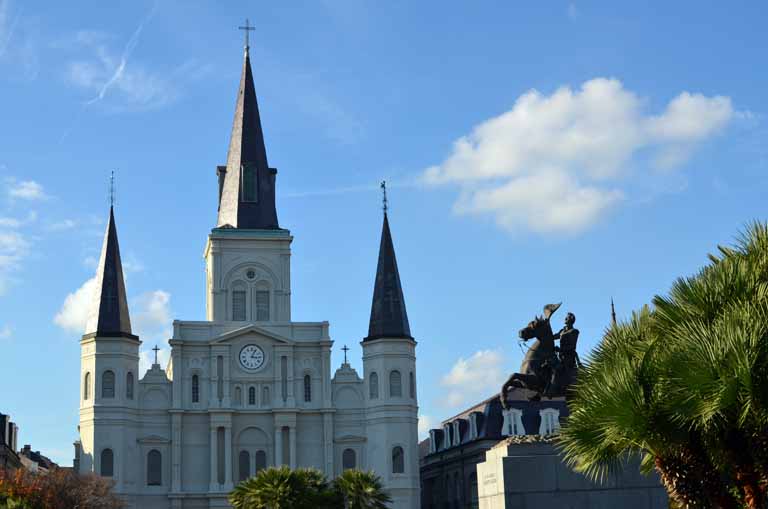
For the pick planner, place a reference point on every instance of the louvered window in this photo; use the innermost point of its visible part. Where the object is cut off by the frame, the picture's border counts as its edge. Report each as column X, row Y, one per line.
column 108, row 384
column 395, row 385
column 252, row 395
column 398, row 460
column 348, row 459
column 244, row 464
column 373, row 386
column 107, row 463
column 195, row 389
column 262, row 305
column 307, row 388
column 238, row 305
column 250, row 182
column 129, row 385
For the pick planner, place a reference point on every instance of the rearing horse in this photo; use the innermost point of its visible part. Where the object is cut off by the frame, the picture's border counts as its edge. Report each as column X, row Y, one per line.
column 537, row 368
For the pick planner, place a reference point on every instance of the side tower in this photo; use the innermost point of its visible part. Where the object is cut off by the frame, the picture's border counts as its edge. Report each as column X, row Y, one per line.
column 389, row 366
column 109, row 364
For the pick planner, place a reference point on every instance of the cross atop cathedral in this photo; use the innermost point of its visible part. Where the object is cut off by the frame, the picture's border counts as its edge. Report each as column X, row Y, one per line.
column 346, row 349
column 384, row 197
column 247, row 28
column 155, row 349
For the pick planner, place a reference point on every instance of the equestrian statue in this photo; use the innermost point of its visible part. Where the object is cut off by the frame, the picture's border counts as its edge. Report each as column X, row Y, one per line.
column 547, row 370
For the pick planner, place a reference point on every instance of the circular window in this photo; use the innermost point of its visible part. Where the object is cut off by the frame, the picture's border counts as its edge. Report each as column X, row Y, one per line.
column 250, row 274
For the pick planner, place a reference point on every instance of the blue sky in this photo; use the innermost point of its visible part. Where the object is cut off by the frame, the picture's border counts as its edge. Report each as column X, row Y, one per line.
column 536, row 152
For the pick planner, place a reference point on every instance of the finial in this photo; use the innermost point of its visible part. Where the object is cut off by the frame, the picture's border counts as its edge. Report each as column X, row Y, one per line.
column 112, row 189
column 613, row 313
column 156, row 349
column 247, row 28
column 345, row 353
column 384, row 198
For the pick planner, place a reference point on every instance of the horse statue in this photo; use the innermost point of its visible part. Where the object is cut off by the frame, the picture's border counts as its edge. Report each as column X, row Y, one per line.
column 547, row 370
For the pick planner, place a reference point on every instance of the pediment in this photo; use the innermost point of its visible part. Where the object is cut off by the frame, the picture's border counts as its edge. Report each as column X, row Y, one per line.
column 250, row 329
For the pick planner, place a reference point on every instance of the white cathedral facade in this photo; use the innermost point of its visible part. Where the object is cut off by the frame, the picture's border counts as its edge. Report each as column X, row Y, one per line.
column 247, row 388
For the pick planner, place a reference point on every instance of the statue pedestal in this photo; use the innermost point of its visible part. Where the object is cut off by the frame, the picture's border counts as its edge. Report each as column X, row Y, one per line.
column 527, row 472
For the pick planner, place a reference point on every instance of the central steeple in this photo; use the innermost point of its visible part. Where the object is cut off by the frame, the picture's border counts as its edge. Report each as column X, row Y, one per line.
column 247, row 183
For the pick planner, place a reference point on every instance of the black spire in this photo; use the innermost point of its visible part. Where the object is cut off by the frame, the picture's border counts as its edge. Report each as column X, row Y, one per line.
column 388, row 316
column 247, row 183
column 108, row 315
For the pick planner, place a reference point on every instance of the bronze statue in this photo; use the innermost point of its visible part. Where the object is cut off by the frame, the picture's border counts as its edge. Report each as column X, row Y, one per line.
column 547, row 370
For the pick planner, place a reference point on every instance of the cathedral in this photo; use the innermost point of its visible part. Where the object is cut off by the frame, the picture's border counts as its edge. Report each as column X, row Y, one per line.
column 248, row 388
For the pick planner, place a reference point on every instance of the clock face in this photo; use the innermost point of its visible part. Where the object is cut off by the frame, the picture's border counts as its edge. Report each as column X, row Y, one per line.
column 251, row 357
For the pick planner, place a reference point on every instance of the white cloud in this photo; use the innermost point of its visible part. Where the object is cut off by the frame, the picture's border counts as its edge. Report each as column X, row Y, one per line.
column 426, row 423
column 9, row 222
column 5, row 332
column 569, row 151
column 25, row 190
column 73, row 314
column 152, row 315
column 18, row 42
column 472, row 380
column 13, row 248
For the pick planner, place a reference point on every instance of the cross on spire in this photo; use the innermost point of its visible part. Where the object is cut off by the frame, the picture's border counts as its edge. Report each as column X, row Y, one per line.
column 385, row 204
column 155, row 349
column 346, row 349
column 247, row 28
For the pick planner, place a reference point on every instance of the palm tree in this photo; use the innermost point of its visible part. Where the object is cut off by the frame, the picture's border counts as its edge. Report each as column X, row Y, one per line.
column 361, row 490
column 686, row 386
column 283, row 488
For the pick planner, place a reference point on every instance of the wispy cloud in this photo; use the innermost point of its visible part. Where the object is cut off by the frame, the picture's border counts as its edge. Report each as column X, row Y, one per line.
column 6, row 332
column 17, row 42
column 364, row 188
column 25, row 189
column 64, row 224
column 558, row 163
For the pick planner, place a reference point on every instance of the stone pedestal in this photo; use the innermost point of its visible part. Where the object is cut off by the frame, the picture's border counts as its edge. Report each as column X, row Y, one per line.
column 533, row 475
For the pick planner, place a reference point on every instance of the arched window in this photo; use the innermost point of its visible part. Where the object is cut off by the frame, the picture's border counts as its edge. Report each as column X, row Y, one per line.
column 87, row 386
column 348, row 459
column 107, row 463
column 261, row 460
column 108, row 384
column 195, row 389
column 262, row 305
column 374, row 386
column 154, row 468
column 265, row 396
column 398, row 460
column 129, row 385
column 395, row 384
column 244, row 465
column 238, row 396
column 307, row 388
column 251, row 395
column 412, row 385
column 238, row 302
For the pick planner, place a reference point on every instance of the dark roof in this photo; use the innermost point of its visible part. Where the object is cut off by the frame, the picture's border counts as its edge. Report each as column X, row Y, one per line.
column 246, row 147
column 108, row 315
column 388, row 316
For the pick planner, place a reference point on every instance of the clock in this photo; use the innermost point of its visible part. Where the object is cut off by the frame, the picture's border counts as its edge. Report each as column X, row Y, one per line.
column 251, row 357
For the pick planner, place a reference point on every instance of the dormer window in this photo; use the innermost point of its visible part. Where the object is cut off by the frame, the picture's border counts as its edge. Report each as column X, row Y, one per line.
column 513, row 423
column 446, row 436
column 432, row 441
column 473, row 427
column 250, row 189
column 456, row 432
column 550, row 421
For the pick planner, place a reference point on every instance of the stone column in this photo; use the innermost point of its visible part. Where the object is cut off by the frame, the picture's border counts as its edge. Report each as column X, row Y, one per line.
column 213, row 400
column 176, row 453
column 291, row 402
column 214, row 485
column 178, row 374
column 278, row 445
column 228, row 458
column 292, row 444
column 328, row 444
column 227, row 400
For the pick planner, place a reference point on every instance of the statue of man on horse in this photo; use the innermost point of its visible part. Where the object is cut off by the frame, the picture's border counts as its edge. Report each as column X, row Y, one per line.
column 547, row 370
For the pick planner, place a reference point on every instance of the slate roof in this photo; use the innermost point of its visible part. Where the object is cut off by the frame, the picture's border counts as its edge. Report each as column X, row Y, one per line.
column 246, row 147
column 108, row 315
column 389, row 318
